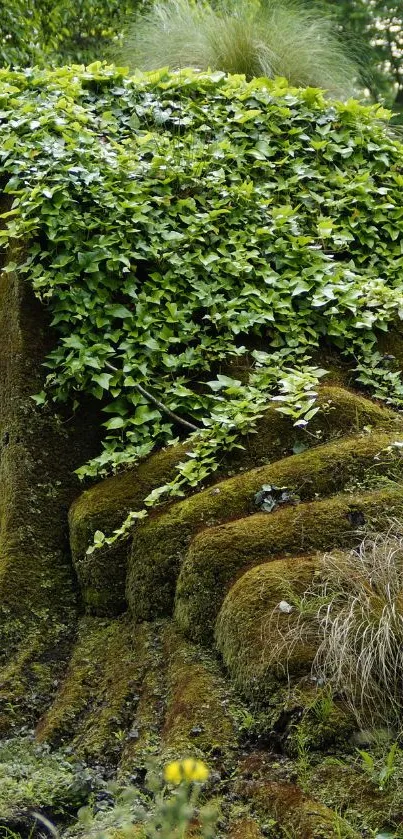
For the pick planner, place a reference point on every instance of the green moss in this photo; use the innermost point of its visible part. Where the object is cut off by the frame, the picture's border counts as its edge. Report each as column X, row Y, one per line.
column 160, row 544
column 38, row 453
column 247, row 634
column 219, row 555
column 250, row 633
column 295, row 811
column 197, row 718
column 104, row 506
column 244, row 828
column 96, row 703
column 130, row 831
column 144, row 740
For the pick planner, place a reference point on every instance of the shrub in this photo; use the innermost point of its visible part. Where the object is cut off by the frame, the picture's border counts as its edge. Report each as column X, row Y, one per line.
column 266, row 38
column 20, row 33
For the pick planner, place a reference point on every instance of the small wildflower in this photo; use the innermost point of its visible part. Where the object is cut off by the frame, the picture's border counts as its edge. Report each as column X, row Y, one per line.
column 186, row 770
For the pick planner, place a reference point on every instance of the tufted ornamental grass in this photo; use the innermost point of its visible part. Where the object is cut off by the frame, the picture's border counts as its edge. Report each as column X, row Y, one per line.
column 353, row 614
column 266, row 38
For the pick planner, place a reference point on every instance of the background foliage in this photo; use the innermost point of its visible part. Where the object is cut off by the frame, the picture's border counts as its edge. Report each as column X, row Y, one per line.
column 60, row 31
column 377, row 26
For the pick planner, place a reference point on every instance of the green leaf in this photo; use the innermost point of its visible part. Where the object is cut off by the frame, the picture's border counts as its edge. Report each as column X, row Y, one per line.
column 115, row 422
column 103, row 380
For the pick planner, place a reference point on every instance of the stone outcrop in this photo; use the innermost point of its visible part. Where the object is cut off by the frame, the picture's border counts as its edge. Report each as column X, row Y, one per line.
column 157, row 646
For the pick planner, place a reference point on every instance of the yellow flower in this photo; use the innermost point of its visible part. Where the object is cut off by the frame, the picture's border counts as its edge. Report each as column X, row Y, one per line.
column 172, row 772
column 186, row 770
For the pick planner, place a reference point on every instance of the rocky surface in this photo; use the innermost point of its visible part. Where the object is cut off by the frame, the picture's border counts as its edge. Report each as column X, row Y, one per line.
column 157, row 647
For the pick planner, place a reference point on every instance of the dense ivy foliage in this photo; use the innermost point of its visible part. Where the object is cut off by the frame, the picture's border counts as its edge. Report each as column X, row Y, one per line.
column 173, row 223
column 60, row 31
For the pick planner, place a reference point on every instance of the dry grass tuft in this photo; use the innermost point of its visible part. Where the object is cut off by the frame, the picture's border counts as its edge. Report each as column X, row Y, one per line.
column 267, row 38
column 353, row 614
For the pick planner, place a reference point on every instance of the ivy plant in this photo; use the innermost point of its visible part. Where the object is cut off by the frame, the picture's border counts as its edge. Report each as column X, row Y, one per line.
column 176, row 223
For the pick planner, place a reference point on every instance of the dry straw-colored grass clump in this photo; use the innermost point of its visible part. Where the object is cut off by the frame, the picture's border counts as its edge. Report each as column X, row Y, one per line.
column 252, row 37
column 353, row 615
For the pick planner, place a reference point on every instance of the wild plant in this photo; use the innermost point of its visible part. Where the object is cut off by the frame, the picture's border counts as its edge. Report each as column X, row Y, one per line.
column 352, row 617
column 266, row 38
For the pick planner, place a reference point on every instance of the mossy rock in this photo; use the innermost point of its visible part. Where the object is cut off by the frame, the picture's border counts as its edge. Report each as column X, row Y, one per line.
column 143, row 738
column 95, row 707
column 295, row 811
column 38, row 455
column 160, row 543
column 250, row 627
column 105, row 505
column 250, row 633
column 220, row 555
column 197, row 717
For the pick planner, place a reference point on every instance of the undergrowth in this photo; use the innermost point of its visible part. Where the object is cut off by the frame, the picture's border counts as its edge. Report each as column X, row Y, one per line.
column 32, row 777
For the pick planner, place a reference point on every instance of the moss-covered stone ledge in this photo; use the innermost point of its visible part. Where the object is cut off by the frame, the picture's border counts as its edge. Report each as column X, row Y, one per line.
column 198, row 718
column 220, row 555
column 250, row 635
column 161, row 543
column 96, row 704
column 103, row 507
column 250, row 628
column 293, row 809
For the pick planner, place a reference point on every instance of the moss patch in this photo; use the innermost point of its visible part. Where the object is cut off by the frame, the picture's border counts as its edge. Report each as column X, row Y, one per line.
column 250, row 626
column 293, row 809
column 96, row 704
column 218, row 556
column 197, row 716
column 142, row 742
column 250, row 636
column 38, row 453
column 244, row 828
column 159, row 545
column 104, row 506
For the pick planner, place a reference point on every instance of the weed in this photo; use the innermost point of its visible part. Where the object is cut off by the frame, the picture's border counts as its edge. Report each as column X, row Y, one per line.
column 380, row 773
column 303, row 758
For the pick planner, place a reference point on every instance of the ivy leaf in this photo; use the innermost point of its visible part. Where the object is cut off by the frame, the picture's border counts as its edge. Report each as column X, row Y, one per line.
column 103, row 380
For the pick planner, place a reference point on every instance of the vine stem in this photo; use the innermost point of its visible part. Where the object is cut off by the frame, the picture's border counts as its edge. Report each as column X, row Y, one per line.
column 157, row 402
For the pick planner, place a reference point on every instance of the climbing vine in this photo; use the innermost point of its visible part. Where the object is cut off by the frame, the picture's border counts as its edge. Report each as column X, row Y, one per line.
column 179, row 227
